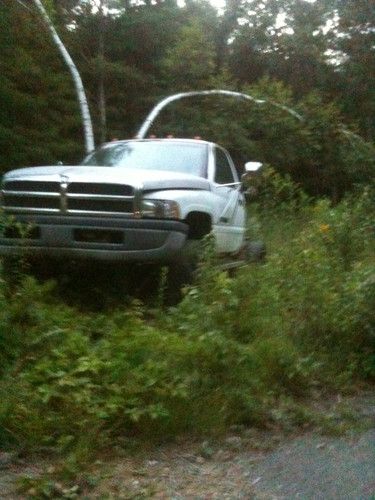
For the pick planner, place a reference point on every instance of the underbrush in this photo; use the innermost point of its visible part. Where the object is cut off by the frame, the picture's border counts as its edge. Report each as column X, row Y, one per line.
column 247, row 349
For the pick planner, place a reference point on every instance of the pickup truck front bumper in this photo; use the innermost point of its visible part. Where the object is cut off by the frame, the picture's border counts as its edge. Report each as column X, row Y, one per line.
column 101, row 238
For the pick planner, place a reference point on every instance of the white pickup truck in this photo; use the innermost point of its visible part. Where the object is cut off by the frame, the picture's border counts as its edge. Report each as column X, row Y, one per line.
column 132, row 200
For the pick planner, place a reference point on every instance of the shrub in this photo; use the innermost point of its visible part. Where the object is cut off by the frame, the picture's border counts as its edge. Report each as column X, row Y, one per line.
column 239, row 349
column 114, row 375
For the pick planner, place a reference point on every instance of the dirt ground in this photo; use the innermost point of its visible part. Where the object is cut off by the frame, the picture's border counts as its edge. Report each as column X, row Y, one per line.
column 246, row 464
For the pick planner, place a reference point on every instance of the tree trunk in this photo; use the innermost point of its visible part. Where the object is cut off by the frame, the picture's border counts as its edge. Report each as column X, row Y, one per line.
column 227, row 25
column 101, row 87
column 81, row 96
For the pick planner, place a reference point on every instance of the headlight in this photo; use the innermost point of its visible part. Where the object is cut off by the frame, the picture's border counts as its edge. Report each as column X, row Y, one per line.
column 160, row 209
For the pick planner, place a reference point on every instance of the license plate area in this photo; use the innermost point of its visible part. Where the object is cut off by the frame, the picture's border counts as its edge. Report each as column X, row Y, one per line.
column 98, row 236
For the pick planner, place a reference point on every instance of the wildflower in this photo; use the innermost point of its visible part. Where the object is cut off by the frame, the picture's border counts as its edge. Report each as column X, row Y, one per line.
column 324, row 228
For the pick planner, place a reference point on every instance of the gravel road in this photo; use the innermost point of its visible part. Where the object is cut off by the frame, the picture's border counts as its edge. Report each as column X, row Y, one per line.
column 312, row 467
column 308, row 467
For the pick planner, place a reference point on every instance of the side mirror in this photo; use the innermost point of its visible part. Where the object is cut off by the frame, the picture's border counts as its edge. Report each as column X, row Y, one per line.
column 252, row 166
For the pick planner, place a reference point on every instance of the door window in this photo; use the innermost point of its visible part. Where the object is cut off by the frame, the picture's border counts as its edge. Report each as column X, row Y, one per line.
column 223, row 172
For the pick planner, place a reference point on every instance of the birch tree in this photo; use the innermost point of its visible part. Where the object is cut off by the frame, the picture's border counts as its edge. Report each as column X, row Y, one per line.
column 101, row 74
column 81, row 95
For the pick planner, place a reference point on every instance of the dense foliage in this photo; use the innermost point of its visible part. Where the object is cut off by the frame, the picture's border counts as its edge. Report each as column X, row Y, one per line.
column 245, row 349
column 316, row 57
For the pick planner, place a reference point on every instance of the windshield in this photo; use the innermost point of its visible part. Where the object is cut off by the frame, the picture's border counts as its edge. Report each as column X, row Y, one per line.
column 188, row 158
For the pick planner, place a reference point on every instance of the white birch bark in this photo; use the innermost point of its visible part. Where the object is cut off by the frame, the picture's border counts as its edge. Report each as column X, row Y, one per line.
column 81, row 95
column 156, row 110
column 101, row 87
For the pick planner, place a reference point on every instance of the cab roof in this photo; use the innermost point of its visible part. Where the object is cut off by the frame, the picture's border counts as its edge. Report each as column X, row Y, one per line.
column 160, row 139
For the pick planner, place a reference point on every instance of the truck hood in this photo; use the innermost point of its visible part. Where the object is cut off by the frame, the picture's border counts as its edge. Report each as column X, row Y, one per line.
column 148, row 180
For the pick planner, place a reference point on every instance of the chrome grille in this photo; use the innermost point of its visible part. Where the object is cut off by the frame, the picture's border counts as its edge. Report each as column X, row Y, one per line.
column 34, row 186
column 100, row 189
column 99, row 205
column 65, row 197
column 34, row 202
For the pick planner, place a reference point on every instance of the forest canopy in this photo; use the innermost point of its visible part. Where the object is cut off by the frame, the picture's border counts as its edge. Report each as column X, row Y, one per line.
column 317, row 57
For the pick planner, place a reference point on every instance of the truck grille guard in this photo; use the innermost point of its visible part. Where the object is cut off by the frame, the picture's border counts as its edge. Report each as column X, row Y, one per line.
column 70, row 198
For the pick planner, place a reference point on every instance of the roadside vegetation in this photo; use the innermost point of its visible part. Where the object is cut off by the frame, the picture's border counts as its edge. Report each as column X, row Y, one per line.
column 247, row 349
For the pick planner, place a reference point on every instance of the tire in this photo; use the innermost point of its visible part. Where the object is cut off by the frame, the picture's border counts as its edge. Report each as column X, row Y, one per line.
column 255, row 251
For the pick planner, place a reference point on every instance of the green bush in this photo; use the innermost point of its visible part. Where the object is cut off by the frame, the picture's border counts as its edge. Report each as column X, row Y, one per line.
column 242, row 349
column 112, row 375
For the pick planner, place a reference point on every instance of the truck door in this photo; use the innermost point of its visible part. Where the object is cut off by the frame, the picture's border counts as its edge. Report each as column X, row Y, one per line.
column 229, row 225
